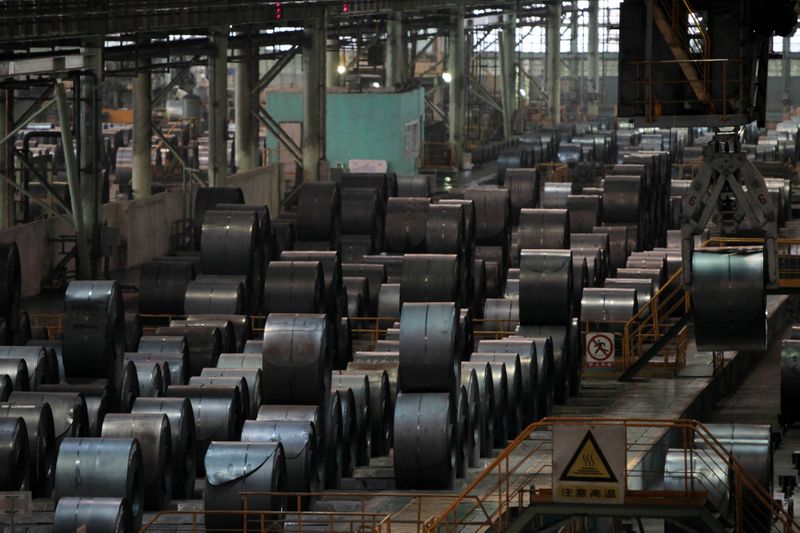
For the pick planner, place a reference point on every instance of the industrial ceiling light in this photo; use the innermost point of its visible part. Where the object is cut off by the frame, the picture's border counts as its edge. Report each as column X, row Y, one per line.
column 447, row 77
column 376, row 85
column 523, row 93
column 341, row 69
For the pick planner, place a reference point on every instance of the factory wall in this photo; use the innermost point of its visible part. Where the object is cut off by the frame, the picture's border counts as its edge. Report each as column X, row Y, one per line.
column 370, row 125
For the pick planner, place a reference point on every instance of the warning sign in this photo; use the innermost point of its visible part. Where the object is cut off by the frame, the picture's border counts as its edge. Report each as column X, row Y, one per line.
column 599, row 350
column 589, row 464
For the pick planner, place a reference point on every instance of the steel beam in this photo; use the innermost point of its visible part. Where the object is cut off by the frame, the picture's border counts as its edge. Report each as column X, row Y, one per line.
column 218, row 109
column 593, row 58
column 245, row 101
column 553, row 62
column 457, row 66
column 275, row 128
column 142, row 171
column 314, row 97
column 276, row 69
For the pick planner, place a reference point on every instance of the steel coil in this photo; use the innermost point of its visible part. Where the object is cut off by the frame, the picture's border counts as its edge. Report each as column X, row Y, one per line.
column 164, row 344
column 217, row 414
column 362, row 435
column 153, row 377
column 347, row 408
column 333, row 426
column 580, row 280
column 246, row 406
column 555, row 194
column 487, row 406
column 294, row 287
column 495, row 264
column 500, row 315
column 790, row 379
column 545, row 282
column 112, row 515
column 622, row 199
column 463, row 433
column 253, row 377
column 700, row 470
column 226, row 331
column 334, row 298
column 162, row 286
column 479, row 289
column 384, row 185
column 94, row 329
column 17, row 371
column 600, row 243
column 204, row 344
column 208, row 198
column 206, row 296
column 354, row 247
column 284, row 235
column 388, row 304
column 241, row 324
column 611, row 306
column 729, row 299
column 523, row 190
column 253, row 346
column 113, row 469
column 70, row 417
column 469, row 218
column 183, row 438
column 592, row 258
column 252, row 360
column 424, row 441
column 446, row 230
column 298, row 358
column 431, row 278
column 311, row 414
column 357, row 296
column 544, row 229
column 381, row 400
column 174, row 366
column 133, row 331
column 23, row 333
column 235, row 467
column 299, row 443
column 428, row 361
column 42, row 448
column 527, row 401
column 465, row 339
column 406, row 224
column 153, row 433
column 471, row 390
column 418, row 186
column 320, row 204
column 492, row 216
column 514, row 415
column 392, row 263
column 585, row 212
column 15, row 468
column 362, row 214
column 617, row 246
column 643, row 287
column 98, row 400
column 375, row 274
column 10, row 283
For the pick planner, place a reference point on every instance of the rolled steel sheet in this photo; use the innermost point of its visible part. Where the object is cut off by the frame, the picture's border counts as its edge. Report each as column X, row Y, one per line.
column 310, row 414
column 465, row 339
column 231, row 381
column 162, row 286
column 471, row 389
column 363, row 213
column 362, row 437
column 175, row 365
column 674, row 259
column 344, row 340
column 479, row 289
column 555, row 194
column 164, row 344
column 492, row 215
column 208, row 198
column 430, row 278
column 494, row 259
column 114, row 469
column 562, row 355
column 17, row 371
column 545, row 282
column 385, row 185
column 320, row 204
column 184, row 256
column 392, row 263
column 464, row 442
column 375, row 275
column 98, row 400
column 388, row 346
column 648, row 263
column 249, row 359
column 700, row 470
column 790, row 379
column 594, row 242
column 500, row 315
column 355, row 247
column 335, row 301
column 333, row 426
column 526, row 402
column 585, row 212
column 209, row 297
column 381, row 400
column 617, row 246
column 253, row 377
column 446, row 231
column 622, row 199
column 42, row 448
column 406, row 224
column 537, row 350
column 10, row 283
column 751, row 444
column 226, row 331
column 94, row 329
column 388, row 304
column 643, row 287
column 729, row 299
column 15, row 470
column 217, row 414
column 70, row 417
column 22, row 334
column 428, row 361
column 204, row 344
column 469, row 217
column 235, row 467
column 299, row 443
column 153, row 433
column 284, row 234
column 297, row 358
column 580, row 280
column 501, row 424
column 152, row 379
column 358, row 299
column 133, row 331
column 543, row 229
column 262, row 214
column 523, row 190
column 424, row 441
column 112, row 515
column 612, row 306
column 183, row 436
column 294, row 287
column 418, row 186
column 348, row 407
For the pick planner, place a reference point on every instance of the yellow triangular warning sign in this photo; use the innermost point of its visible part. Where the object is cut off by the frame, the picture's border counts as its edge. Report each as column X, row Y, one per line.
column 588, row 463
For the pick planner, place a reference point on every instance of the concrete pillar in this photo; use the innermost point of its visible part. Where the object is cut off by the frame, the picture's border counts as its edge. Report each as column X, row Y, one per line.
column 246, row 102
column 314, row 96
column 395, row 60
column 456, row 65
column 593, row 57
column 90, row 148
column 553, row 62
column 218, row 109
column 332, row 63
column 786, row 71
column 6, row 166
column 142, row 115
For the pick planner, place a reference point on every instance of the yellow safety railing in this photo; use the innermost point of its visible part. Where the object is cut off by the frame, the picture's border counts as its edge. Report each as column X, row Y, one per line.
column 522, row 475
column 258, row 521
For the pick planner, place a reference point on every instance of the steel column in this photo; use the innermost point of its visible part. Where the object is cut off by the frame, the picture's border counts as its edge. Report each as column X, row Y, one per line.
column 89, row 147
column 6, row 118
column 314, row 96
column 142, row 115
column 593, row 67
column 395, row 71
column 786, row 67
column 332, row 63
column 218, row 109
column 458, row 85
column 553, row 62
column 246, row 101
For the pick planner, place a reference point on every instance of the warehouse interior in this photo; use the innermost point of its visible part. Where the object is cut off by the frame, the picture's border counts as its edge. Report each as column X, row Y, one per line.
column 399, row 265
